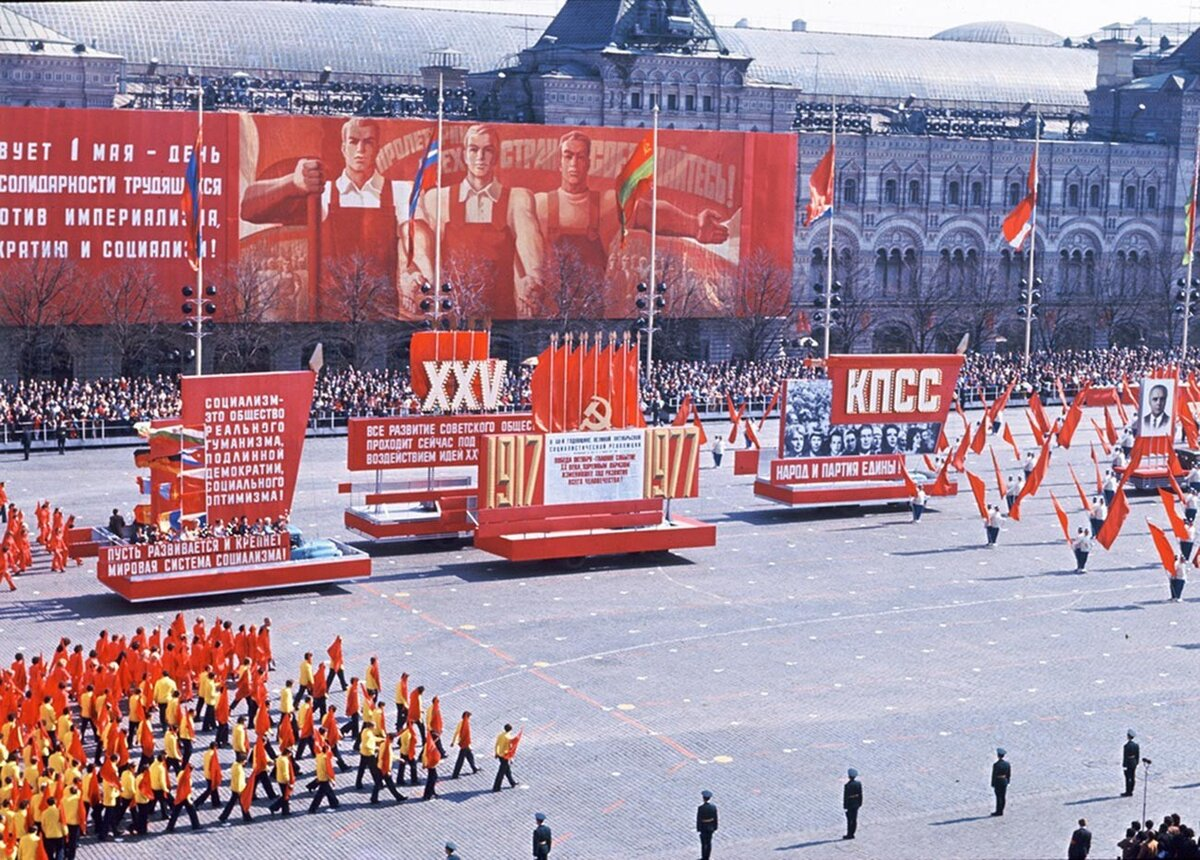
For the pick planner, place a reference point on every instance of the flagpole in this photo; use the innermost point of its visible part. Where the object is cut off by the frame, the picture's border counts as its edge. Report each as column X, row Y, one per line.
column 1189, row 244
column 199, row 236
column 437, row 234
column 653, row 244
column 829, row 249
column 1037, row 141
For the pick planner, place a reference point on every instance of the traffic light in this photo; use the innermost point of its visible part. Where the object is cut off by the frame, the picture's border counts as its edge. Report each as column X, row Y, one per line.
column 835, row 302
column 660, row 298
column 1187, row 301
column 1030, row 299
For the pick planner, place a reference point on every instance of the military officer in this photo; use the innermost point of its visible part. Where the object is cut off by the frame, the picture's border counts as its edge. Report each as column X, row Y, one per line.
column 1001, row 776
column 706, row 823
column 852, row 796
column 542, row 838
column 1131, row 757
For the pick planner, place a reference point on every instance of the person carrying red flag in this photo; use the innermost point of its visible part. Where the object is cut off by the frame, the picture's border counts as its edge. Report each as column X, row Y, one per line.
column 337, row 663
column 505, row 749
column 183, row 801
column 430, row 758
column 239, row 788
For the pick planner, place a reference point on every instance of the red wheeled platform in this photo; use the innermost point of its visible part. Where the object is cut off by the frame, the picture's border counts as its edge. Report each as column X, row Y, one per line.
column 797, row 496
column 541, row 532
column 1146, row 477
column 353, row 564
column 413, row 510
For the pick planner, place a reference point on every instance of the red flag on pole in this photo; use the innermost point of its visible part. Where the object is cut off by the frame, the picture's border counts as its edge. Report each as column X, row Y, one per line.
column 1083, row 499
column 1062, row 517
column 943, row 444
column 770, row 407
column 1039, row 470
column 751, row 435
column 1074, row 413
column 910, row 486
column 1110, row 428
column 1100, row 435
column 1001, row 484
column 980, row 438
column 1176, row 521
column 820, row 189
column 1117, row 512
column 1038, row 436
column 1162, row 544
column 1001, row 401
column 735, row 418
column 681, row 414
column 959, row 460
column 699, row 426
column 1008, row 437
column 1039, row 413
column 979, row 491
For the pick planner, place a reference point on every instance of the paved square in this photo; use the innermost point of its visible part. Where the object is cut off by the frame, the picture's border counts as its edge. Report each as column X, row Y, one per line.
column 801, row 645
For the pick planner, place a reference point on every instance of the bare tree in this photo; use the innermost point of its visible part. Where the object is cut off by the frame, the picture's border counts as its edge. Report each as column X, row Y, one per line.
column 359, row 292
column 248, row 297
column 471, row 282
column 853, row 272
column 41, row 300
column 926, row 309
column 133, row 308
column 762, row 299
column 571, row 293
column 987, row 302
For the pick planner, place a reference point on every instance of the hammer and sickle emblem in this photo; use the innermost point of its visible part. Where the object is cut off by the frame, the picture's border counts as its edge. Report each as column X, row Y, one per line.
column 597, row 415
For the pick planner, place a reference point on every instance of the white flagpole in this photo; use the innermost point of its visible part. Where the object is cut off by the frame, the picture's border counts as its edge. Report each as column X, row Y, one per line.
column 199, row 239
column 653, row 245
column 1037, row 141
column 829, row 249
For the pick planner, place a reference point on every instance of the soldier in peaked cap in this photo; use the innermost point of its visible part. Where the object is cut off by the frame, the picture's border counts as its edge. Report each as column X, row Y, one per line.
column 451, row 851
column 1001, row 776
column 852, row 798
column 1131, row 757
column 542, row 838
column 706, row 823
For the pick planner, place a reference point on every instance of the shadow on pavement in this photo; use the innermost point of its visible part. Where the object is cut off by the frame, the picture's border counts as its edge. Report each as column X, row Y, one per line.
column 812, row 844
column 1088, row 800
column 965, row 820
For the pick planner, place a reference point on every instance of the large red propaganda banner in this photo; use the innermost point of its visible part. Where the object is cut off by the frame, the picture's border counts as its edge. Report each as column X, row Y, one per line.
column 408, row 442
column 253, row 427
column 314, row 207
column 98, row 192
column 860, row 422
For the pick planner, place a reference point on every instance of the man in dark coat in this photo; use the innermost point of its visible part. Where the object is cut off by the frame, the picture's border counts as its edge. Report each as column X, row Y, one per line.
column 1081, row 842
column 1001, row 776
column 706, row 823
column 542, row 838
column 852, row 796
column 1131, row 757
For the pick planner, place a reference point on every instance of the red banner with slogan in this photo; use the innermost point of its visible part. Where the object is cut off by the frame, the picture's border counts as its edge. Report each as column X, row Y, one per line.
column 892, row 388
column 253, row 426
column 425, row 440
column 889, row 467
column 128, row 560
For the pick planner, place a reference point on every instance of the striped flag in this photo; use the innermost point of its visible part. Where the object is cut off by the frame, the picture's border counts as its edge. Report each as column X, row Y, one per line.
column 190, row 201
column 429, row 159
column 634, row 177
column 820, row 189
column 1189, row 223
column 1019, row 222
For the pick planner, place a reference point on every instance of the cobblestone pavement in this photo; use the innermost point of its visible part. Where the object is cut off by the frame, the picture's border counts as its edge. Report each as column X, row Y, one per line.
column 801, row 645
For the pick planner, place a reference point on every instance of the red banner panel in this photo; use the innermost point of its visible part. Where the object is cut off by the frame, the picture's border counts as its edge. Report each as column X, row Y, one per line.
column 253, row 429
column 892, row 388
column 131, row 560
column 888, row 467
column 420, row 440
column 310, row 217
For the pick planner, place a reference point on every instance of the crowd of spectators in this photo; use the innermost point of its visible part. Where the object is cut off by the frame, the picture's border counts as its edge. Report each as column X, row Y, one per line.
column 47, row 404
column 1170, row 840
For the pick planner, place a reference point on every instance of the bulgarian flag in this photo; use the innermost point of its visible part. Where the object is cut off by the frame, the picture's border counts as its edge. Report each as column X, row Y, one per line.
column 634, row 177
column 820, row 189
column 1019, row 222
column 189, row 202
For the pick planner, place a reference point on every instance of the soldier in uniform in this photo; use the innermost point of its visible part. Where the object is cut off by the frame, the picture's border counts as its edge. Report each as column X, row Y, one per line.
column 542, row 838
column 1131, row 756
column 1001, row 776
column 451, row 851
column 706, row 823
column 852, row 796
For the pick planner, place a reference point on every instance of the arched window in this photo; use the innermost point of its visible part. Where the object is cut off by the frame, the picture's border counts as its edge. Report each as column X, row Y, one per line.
column 1152, row 198
column 914, row 191
column 1130, row 196
column 1014, row 193
column 1094, row 197
column 952, row 194
column 889, row 192
column 1073, row 196
column 976, row 193
column 850, row 191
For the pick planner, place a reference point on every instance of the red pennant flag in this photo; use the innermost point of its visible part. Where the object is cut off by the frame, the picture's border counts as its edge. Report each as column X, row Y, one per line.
column 820, row 189
column 1038, row 436
column 1110, row 428
column 1001, row 484
column 1002, row 401
column 1008, row 437
column 752, row 436
column 1067, row 432
column 735, row 418
column 910, row 486
column 987, row 410
column 1176, row 521
column 699, row 426
column 1100, row 435
column 959, row 460
column 929, row 463
column 1039, row 470
column 1083, row 499
column 943, row 444
column 1175, row 486
column 1062, row 517
column 941, row 485
column 1117, row 512
column 1162, row 543
column 1062, row 393
column 1120, row 397
column 681, row 414
column 980, row 439
column 1039, row 413
column 770, row 407
column 979, row 491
